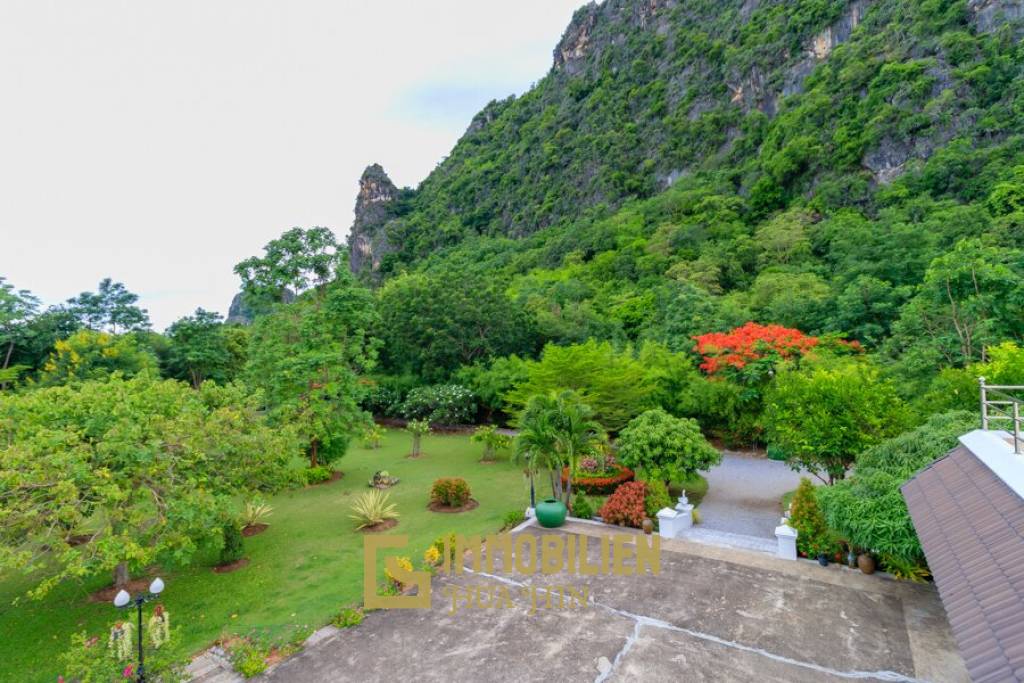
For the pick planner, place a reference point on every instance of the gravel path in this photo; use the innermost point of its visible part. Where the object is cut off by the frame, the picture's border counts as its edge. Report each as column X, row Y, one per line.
column 743, row 494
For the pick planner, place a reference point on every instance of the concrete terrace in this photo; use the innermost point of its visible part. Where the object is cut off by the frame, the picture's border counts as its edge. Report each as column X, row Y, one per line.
column 713, row 613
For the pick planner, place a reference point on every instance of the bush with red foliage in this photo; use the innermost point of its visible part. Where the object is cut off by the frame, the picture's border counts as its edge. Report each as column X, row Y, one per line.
column 599, row 485
column 450, row 492
column 626, row 506
column 734, row 350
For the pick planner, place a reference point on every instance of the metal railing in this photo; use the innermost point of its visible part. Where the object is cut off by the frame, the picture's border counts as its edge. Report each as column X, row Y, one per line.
column 1003, row 403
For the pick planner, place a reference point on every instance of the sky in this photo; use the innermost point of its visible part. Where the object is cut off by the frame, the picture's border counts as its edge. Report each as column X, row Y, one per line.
column 160, row 143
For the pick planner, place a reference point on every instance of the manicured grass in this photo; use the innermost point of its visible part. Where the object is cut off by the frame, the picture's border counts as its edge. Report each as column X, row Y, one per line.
column 303, row 570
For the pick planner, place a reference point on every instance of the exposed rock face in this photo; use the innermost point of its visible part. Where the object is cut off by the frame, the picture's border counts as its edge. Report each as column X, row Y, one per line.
column 238, row 312
column 375, row 206
column 989, row 15
column 579, row 41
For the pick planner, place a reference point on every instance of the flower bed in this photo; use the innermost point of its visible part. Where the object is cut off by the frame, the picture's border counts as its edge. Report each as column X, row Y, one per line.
column 601, row 484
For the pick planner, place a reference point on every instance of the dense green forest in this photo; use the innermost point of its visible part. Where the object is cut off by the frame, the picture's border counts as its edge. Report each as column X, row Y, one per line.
column 799, row 224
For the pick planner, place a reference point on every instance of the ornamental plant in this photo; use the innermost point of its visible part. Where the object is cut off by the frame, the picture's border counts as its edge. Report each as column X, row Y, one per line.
column 450, row 492
column 752, row 350
column 657, row 498
column 626, row 507
column 233, row 548
column 448, row 404
column 492, row 441
column 417, row 428
column 661, row 447
column 813, row 535
column 373, row 507
column 403, row 562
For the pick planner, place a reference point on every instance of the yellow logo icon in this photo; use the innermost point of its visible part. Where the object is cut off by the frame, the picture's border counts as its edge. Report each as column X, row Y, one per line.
column 371, row 544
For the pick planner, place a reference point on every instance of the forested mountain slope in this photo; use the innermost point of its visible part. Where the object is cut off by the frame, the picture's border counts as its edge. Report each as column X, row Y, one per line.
column 685, row 166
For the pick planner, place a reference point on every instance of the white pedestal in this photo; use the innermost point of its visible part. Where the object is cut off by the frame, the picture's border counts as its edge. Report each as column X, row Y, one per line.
column 672, row 523
column 786, row 536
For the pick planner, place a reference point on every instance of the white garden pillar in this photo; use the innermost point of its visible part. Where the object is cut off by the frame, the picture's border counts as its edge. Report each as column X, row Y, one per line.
column 673, row 523
column 786, row 536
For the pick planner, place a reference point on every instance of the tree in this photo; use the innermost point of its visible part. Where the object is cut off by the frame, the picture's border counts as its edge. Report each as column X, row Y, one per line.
column 614, row 384
column 417, row 428
column 306, row 356
column 90, row 355
column 822, row 417
column 813, row 535
column 492, row 440
column 660, row 447
column 971, row 298
column 202, row 347
column 432, row 324
column 556, row 429
column 293, row 263
column 111, row 308
column 17, row 308
column 751, row 352
column 115, row 475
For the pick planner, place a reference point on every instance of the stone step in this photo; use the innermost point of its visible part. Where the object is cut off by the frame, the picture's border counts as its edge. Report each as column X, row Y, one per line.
column 729, row 540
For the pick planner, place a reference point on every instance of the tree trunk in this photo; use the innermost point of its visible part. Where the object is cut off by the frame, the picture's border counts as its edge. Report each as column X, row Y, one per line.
column 313, row 453
column 7, row 357
column 121, row 575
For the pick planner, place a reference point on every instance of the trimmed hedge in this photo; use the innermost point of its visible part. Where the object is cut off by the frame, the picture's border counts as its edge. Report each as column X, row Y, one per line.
column 598, row 486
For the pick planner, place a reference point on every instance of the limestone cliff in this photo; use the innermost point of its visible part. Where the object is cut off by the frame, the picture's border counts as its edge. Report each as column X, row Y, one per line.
column 375, row 206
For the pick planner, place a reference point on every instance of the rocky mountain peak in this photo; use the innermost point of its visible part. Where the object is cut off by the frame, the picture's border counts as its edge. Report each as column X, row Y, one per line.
column 374, row 207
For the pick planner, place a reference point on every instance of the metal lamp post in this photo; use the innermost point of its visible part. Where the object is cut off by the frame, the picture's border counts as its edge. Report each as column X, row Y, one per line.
column 123, row 600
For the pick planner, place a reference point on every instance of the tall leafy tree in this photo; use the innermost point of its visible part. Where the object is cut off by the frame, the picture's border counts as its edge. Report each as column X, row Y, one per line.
column 115, row 475
column 433, row 323
column 202, row 347
column 17, row 308
column 110, row 308
column 822, row 417
column 296, row 261
column 89, row 355
column 307, row 357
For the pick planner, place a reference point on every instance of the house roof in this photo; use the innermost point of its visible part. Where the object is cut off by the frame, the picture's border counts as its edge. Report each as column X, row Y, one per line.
column 971, row 525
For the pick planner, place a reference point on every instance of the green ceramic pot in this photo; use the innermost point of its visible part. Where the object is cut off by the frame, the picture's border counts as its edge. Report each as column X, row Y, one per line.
column 551, row 513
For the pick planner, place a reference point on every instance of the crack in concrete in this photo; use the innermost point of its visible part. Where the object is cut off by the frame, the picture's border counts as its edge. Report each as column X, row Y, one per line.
column 640, row 620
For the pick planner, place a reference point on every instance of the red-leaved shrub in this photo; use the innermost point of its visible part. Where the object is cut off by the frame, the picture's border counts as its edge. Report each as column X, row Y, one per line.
column 451, row 492
column 626, row 505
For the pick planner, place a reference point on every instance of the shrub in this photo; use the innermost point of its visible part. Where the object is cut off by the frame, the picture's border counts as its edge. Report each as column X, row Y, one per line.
column 626, row 506
column 439, row 544
column 403, row 562
column 656, row 499
column 695, row 515
column 868, row 509
column 659, row 446
column 492, row 440
column 813, row 536
column 451, row 492
column 513, row 518
column 431, row 556
column 248, row 659
column 348, row 617
column 372, row 436
column 448, row 404
column 582, row 507
column 372, row 507
column 600, row 485
column 256, row 511
column 318, row 474
column 234, row 545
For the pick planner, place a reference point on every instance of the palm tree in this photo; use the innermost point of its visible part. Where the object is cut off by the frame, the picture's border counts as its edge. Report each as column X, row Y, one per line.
column 555, row 429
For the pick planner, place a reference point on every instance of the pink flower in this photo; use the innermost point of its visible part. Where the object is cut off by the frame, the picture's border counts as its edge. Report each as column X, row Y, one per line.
column 127, row 673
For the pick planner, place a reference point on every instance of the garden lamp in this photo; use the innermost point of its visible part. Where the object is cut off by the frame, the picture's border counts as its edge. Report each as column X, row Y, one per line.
column 123, row 599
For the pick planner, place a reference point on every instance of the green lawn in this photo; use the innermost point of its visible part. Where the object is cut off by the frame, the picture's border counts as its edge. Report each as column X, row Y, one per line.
column 303, row 569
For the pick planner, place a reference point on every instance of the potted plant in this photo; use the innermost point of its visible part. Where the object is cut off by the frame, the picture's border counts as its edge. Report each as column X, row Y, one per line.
column 866, row 563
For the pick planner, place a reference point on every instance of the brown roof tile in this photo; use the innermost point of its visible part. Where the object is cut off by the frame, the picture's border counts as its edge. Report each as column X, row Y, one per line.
column 970, row 524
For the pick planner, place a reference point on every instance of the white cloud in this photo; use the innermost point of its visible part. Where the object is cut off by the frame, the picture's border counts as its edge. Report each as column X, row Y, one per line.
column 159, row 143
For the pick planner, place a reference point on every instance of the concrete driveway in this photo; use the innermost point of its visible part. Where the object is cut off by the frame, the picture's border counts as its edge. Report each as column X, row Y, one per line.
column 712, row 614
column 744, row 493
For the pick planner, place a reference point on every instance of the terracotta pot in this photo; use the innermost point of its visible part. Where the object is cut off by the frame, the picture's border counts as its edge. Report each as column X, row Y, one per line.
column 866, row 563
column 648, row 526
